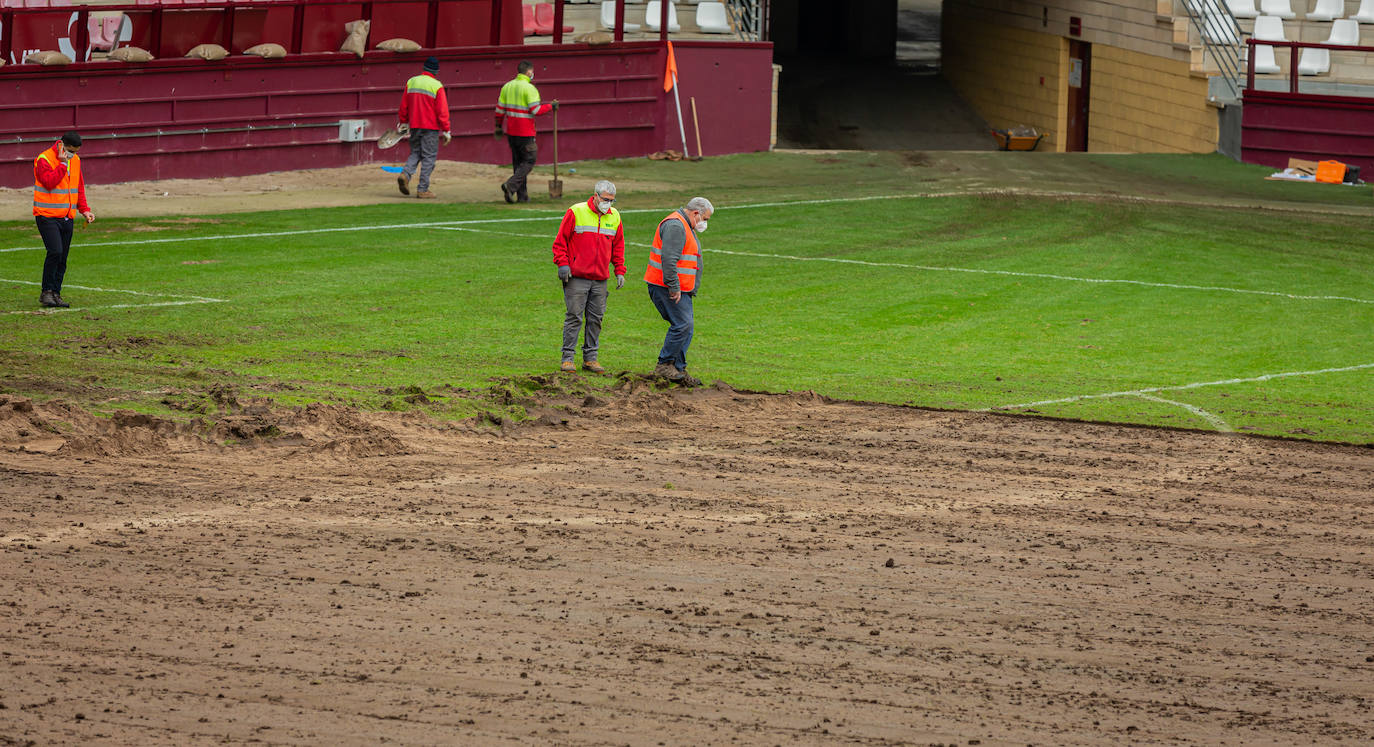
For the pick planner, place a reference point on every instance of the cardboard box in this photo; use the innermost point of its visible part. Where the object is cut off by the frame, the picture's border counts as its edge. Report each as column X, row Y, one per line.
column 1303, row 167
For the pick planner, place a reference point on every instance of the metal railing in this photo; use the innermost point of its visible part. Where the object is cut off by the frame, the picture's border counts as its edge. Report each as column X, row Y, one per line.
column 749, row 18
column 1222, row 40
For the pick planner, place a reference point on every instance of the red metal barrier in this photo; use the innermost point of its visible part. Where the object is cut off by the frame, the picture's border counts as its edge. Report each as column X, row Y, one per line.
column 1279, row 125
column 189, row 118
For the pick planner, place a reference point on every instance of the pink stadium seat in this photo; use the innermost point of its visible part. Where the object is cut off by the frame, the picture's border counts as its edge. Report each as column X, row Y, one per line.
column 543, row 20
column 527, row 15
column 104, row 32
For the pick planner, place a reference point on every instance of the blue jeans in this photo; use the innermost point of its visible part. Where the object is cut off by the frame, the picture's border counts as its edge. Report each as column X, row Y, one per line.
column 679, row 318
column 57, row 239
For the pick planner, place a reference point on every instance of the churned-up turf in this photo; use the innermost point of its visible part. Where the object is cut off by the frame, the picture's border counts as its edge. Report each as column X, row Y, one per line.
column 1163, row 290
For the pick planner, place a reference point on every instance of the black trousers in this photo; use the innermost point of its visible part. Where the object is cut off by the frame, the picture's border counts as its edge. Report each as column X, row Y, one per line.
column 522, row 153
column 57, row 239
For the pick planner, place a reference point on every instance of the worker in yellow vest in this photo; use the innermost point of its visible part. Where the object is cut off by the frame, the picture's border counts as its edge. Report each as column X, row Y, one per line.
column 590, row 241
column 424, row 109
column 59, row 195
column 515, row 112
column 674, row 277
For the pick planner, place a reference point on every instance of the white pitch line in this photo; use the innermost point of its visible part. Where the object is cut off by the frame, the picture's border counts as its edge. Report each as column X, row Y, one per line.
column 193, row 299
column 1215, row 421
column 1051, row 276
column 1179, row 387
column 116, row 306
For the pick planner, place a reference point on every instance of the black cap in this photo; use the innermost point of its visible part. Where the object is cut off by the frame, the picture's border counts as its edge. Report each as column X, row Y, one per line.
column 432, row 65
column 71, row 139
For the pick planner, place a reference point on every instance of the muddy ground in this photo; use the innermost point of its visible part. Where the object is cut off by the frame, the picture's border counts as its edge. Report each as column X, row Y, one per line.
column 672, row 567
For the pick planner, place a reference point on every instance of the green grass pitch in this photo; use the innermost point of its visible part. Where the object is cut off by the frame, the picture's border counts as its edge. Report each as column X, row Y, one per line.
column 1163, row 290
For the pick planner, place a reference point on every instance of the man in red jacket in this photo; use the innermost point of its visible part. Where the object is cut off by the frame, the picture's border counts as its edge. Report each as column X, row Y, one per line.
column 59, row 193
column 589, row 241
column 424, row 109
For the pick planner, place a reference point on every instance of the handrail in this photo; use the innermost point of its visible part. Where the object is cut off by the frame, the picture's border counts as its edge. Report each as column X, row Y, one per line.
column 1215, row 22
column 748, row 15
column 1292, row 63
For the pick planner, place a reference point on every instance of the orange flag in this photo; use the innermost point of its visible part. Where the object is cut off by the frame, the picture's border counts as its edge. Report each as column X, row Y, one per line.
column 670, row 75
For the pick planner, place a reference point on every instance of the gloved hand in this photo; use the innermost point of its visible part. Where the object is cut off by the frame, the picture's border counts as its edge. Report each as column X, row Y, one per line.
column 555, row 104
column 619, row 282
column 446, row 137
column 497, row 132
column 564, row 273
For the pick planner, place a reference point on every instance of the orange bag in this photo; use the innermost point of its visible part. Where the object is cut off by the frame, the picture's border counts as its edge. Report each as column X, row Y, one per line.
column 1331, row 172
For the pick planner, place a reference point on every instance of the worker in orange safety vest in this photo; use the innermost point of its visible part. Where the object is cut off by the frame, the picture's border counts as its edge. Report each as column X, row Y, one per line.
column 674, row 277
column 59, row 194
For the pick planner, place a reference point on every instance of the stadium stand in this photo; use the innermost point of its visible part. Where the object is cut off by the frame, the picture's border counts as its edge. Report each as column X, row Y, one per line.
column 1366, row 12
column 1243, row 8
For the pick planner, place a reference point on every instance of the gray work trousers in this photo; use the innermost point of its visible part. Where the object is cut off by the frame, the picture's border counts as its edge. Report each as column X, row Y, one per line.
column 424, row 149
column 583, row 297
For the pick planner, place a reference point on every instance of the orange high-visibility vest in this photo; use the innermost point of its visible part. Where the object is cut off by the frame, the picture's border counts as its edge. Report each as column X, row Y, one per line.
column 60, row 201
column 686, row 264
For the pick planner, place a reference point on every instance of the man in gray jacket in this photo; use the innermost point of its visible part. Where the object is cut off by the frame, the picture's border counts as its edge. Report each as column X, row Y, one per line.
column 674, row 276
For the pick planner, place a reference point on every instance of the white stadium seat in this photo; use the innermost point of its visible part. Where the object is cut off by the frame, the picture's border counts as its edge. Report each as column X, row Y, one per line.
column 1318, row 61
column 1327, row 10
column 608, row 17
column 654, row 11
column 1267, row 28
column 711, row 18
column 1366, row 12
column 1280, row 8
column 1242, row 8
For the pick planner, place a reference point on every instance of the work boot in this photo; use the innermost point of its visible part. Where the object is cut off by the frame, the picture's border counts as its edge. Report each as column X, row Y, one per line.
column 425, row 195
column 593, row 366
column 507, row 193
column 567, row 366
column 688, row 379
column 58, row 302
column 46, row 298
column 665, row 370
column 403, row 183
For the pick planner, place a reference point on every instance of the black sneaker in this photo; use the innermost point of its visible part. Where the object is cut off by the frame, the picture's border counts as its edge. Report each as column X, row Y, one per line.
column 507, row 193
column 46, row 298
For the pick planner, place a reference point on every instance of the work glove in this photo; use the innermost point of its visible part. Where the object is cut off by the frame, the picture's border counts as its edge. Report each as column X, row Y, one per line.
column 497, row 132
column 446, row 137
column 564, row 273
column 619, row 282
column 555, row 104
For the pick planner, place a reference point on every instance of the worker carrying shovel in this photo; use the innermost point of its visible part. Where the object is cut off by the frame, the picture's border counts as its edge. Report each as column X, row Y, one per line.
column 424, row 109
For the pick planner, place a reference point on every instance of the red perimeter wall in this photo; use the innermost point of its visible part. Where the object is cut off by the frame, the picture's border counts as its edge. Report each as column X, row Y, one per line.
column 1276, row 126
column 612, row 104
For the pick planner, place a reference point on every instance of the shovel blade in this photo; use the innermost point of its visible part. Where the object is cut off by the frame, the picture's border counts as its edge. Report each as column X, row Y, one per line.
column 555, row 188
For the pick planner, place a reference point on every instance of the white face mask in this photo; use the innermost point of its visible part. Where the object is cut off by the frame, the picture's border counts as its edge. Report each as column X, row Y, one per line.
column 701, row 226
column 605, row 206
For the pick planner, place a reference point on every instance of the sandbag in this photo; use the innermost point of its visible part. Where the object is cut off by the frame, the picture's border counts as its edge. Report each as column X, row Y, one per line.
column 399, row 45
column 211, row 52
column 47, row 58
column 130, row 54
column 267, row 51
column 356, row 42
column 595, row 38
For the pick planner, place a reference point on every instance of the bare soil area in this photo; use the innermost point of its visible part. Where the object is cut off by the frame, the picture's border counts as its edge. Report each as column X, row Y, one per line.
column 677, row 567
column 368, row 184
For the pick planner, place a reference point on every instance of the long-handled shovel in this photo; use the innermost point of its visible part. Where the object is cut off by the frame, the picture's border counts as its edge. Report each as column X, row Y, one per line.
column 555, row 184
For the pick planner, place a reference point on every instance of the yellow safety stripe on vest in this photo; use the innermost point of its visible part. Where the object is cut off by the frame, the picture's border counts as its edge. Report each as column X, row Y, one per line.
column 424, row 84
